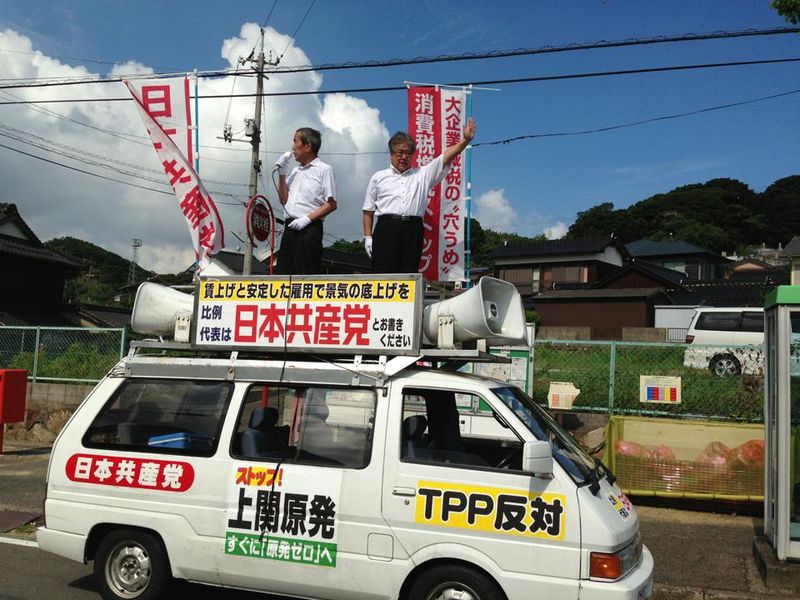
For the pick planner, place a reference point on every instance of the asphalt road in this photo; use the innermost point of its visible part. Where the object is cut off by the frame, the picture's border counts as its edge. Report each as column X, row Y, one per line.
column 27, row 573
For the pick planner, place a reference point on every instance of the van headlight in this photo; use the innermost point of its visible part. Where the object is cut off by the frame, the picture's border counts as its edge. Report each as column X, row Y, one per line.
column 614, row 566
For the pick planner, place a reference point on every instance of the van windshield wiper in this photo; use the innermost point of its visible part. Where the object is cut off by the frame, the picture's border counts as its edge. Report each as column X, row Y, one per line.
column 596, row 473
column 610, row 477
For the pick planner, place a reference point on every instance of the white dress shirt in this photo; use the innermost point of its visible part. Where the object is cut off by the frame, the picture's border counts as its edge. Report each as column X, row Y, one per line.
column 310, row 186
column 391, row 192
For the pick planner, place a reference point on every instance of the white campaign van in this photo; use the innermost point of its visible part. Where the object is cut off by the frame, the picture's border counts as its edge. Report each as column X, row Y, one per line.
column 257, row 456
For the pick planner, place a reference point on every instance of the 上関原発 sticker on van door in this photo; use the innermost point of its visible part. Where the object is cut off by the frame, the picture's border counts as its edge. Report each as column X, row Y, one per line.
column 489, row 509
column 275, row 516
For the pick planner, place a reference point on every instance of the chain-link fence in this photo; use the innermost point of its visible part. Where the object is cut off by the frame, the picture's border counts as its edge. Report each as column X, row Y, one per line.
column 75, row 354
column 715, row 382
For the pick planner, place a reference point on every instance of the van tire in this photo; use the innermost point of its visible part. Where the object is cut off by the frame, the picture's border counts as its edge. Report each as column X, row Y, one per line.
column 725, row 365
column 435, row 584
column 131, row 565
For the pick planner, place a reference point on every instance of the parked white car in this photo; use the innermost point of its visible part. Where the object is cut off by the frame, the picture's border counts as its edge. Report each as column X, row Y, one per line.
column 728, row 341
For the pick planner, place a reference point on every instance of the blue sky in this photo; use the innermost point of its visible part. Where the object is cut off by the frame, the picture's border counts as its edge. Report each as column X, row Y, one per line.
column 528, row 186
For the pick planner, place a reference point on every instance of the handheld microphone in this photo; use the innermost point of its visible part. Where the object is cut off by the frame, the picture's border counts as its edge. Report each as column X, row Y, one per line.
column 282, row 160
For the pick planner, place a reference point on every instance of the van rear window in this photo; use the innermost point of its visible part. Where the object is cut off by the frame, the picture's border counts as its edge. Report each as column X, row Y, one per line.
column 753, row 322
column 162, row 415
column 718, row 321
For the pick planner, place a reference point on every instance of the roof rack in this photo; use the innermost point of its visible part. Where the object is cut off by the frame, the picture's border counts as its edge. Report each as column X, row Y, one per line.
column 151, row 358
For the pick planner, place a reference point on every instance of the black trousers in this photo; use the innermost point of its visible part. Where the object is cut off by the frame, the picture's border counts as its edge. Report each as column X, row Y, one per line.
column 301, row 251
column 396, row 245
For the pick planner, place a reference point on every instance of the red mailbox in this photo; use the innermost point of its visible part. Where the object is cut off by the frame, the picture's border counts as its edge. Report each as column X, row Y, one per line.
column 13, row 385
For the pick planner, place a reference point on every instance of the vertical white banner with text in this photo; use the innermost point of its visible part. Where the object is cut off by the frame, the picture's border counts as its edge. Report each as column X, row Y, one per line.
column 168, row 102
column 196, row 205
column 436, row 119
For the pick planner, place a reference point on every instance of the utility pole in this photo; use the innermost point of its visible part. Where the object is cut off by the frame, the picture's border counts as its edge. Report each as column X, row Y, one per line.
column 136, row 243
column 253, row 131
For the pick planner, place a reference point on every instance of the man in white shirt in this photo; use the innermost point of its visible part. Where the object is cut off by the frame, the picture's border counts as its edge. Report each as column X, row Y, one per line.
column 308, row 194
column 398, row 197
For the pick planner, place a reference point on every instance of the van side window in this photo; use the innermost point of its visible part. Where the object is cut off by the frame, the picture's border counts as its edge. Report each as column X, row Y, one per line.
column 752, row 321
column 162, row 415
column 719, row 321
column 308, row 425
column 452, row 428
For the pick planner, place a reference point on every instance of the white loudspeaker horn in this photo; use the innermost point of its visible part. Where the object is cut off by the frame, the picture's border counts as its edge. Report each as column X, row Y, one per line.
column 491, row 310
column 158, row 307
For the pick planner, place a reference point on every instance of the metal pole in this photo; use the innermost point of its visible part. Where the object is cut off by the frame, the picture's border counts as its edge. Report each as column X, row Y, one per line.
column 612, row 369
column 468, row 231
column 122, row 343
column 255, row 167
column 196, row 125
column 36, row 355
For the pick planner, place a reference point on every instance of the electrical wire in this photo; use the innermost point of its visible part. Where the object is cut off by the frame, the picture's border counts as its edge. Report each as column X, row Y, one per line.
column 603, row 44
column 636, row 123
column 128, row 183
column 294, row 35
column 591, row 74
column 662, row 39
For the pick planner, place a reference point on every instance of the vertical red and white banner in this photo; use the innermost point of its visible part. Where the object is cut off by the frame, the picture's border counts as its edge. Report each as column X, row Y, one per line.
column 436, row 119
column 174, row 151
column 168, row 102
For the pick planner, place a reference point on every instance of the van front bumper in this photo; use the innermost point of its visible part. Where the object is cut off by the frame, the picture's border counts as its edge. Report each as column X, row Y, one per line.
column 68, row 545
column 636, row 585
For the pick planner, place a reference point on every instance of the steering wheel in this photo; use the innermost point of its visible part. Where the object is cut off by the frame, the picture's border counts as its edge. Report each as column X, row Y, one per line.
column 509, row 458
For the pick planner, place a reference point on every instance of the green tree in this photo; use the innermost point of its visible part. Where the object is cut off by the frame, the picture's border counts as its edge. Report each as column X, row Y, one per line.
column 788, row 9
column 355, row 247
column 599, row 221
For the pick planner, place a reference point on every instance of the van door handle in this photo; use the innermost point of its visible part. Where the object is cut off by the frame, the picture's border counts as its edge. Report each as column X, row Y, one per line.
column 404, row 491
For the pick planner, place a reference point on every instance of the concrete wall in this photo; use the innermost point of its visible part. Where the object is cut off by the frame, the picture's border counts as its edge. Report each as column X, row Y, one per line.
column 563, row 333
column 47, row 408
column 644, row 334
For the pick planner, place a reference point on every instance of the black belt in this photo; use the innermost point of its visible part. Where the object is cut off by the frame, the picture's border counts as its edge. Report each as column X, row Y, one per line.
column 412, row 218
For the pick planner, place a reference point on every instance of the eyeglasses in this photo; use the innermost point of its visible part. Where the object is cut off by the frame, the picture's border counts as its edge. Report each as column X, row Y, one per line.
column 402, row 153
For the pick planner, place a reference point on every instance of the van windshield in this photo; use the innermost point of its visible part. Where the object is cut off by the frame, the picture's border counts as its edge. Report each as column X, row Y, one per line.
column 566, row 451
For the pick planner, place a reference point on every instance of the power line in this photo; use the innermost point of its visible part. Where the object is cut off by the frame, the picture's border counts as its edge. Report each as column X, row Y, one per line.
column 269, row 14
column 83, row 171
column 603, row 44
column 294, row 35
column 585, row 75
column 662, row 39
column 635, row 123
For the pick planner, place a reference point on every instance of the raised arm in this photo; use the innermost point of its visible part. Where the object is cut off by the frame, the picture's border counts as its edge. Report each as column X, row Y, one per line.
column 283, row 189
column 466, row 138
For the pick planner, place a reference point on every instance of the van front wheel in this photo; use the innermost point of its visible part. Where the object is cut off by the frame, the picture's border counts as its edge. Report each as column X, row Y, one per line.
column 131, row 565
column 454, row 581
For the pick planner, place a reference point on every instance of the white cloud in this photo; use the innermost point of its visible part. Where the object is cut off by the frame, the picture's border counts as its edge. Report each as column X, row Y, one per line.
column 57, row 202
column 494, row 211
column 555, row 232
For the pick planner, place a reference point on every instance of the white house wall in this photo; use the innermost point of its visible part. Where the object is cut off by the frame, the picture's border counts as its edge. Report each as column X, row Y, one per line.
column 12, row 230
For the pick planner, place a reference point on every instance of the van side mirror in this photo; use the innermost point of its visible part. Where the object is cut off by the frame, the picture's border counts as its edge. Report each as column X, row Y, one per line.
column 537, row 458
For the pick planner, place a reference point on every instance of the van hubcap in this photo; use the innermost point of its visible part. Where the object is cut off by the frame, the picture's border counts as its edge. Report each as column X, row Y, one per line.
column 724, row 366
column 128, row 569
column 453, row 591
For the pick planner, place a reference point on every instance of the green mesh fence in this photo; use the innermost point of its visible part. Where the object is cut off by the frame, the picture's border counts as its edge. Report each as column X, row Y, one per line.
column 715, row 382
column 61, row 354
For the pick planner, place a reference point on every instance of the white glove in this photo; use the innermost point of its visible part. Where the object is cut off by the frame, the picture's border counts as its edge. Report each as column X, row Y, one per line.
column 282, row 164
column 368, row 245
column 300, row 223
